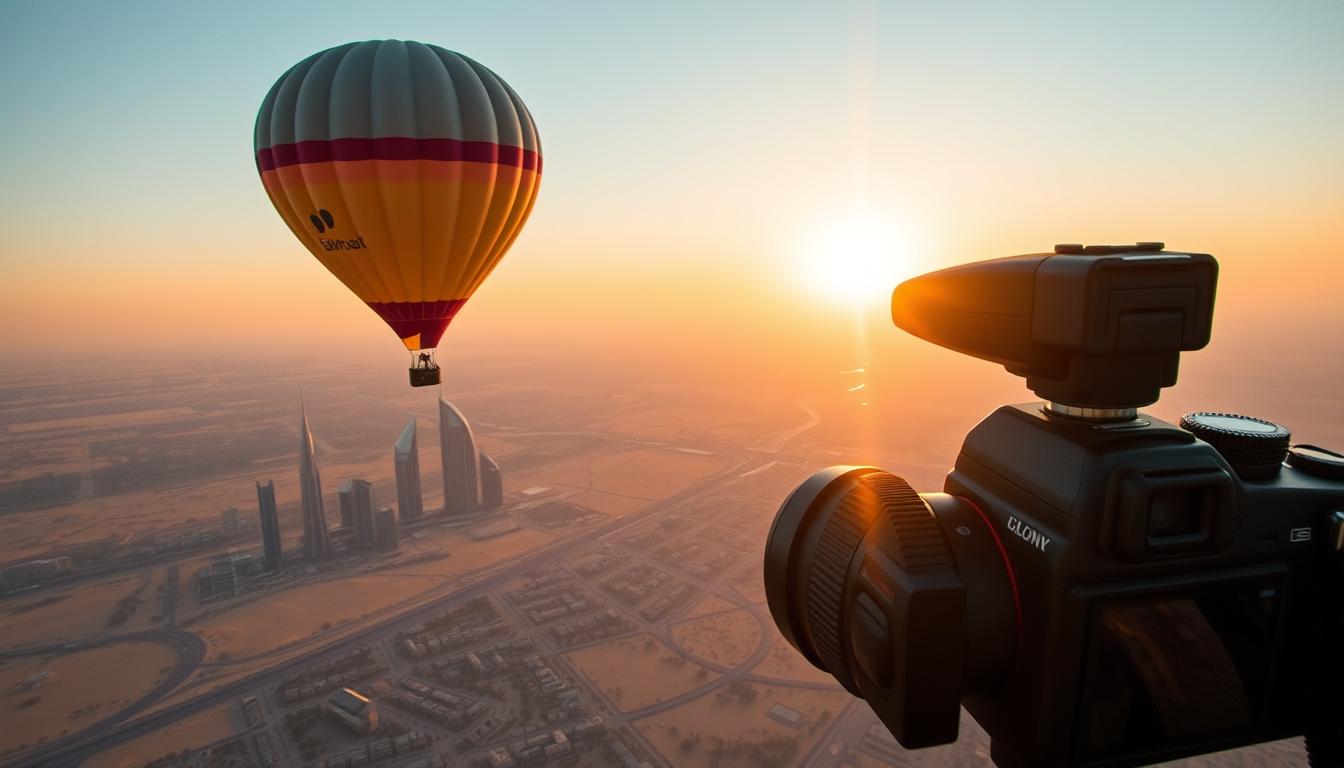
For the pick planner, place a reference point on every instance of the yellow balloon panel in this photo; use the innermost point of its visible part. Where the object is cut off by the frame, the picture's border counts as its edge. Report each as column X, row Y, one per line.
column 422, row 232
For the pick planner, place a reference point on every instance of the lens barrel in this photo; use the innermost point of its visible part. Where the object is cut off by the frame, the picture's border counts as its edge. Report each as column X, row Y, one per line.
column 902, row 597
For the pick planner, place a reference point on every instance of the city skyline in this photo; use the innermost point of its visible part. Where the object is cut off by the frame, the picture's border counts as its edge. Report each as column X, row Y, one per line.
column 359, row 513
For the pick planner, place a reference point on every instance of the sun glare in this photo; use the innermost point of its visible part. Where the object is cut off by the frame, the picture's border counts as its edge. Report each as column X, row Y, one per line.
column 856, row 258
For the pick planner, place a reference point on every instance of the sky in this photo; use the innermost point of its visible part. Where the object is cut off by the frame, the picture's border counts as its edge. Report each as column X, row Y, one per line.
column 703, row 162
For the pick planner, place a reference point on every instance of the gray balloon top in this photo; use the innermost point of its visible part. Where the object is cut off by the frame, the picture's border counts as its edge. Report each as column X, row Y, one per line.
column 392, row 88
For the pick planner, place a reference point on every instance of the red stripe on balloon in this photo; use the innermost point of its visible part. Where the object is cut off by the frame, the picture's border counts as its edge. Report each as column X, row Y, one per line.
column 397, row 148
column 427, row 318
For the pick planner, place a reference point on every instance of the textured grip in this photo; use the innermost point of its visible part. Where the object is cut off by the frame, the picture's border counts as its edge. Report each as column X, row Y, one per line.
column 919, row 548
column 838, row 542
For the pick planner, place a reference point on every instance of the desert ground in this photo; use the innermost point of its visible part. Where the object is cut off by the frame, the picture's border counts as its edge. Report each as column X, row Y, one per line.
column 782, row 662
column 726, row 639
column 636, row 672
column 751, row 588
column 63, row 615
column 85, row 687
column 267, row 622
column 723, row 730
column 643, row 474
column 709, row 604
column 195, row 731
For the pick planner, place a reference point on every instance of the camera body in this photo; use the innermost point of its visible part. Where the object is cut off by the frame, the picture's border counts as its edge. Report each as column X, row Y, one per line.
column 1095, row 586
column 1167, row 606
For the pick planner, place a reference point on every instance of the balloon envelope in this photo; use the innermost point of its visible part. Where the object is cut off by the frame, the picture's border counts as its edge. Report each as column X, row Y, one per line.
column 406, row 169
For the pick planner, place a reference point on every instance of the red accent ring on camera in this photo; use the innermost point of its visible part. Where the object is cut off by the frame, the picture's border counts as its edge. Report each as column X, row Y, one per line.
column 1008, row 566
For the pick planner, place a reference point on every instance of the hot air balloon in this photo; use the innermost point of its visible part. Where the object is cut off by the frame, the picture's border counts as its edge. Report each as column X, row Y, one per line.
column 407, row 170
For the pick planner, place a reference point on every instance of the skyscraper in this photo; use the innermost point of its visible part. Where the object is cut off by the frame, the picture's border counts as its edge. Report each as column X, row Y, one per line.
column 345, row 501
column 406, row 462
column 461, row 476
column 315, row 540
column 361, row 492
column 386, row 525
column 270, row 526
column 492, row 483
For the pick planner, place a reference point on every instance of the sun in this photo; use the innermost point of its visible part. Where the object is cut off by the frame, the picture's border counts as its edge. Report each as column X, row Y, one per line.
column 855, row 258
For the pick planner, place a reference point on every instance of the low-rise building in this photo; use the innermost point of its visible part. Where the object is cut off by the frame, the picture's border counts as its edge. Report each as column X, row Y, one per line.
column 354, row 710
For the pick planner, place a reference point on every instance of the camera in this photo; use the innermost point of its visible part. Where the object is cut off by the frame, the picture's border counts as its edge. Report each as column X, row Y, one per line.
column 1095, row 586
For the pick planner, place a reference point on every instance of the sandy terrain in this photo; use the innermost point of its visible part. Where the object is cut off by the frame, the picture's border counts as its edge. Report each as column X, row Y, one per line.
column 106, row 421
column 70, row 614
column 637, row 671
column 269, row 622
column 88, row 686
column 607, row 503
column 751, row 588
column 33, row 534
column 263, row 624
column 785, row 663
column 710, row 604
column 692, row 418
column 188, row 600
column 689, row 735
column 727, row 639
column 647, row 474
column 466, row 554
column 192, row 733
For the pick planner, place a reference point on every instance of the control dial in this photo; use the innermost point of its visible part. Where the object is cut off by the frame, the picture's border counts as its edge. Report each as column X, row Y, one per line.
column 1254, row 447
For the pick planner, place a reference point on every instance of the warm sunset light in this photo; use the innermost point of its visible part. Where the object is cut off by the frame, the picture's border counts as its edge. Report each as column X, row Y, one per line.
column 856, row 257
column 693, row 384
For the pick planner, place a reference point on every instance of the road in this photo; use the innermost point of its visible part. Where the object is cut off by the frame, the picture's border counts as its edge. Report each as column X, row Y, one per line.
column 108, row 733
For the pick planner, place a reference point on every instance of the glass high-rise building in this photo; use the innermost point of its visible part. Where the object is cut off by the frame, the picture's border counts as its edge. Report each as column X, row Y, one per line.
column 270, row 526
column 492, row 483
column 362, row 497
column 316, row 542
column 345, row 501
column 406, row 463
column 461, row 468
column 385, row 524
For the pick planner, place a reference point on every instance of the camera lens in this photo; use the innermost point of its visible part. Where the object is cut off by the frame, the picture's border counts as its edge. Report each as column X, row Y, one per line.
column 904, row 598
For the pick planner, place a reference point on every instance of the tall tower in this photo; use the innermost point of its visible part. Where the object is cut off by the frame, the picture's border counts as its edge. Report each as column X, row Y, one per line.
column 492, row 483
column 270, row 525
column 315, row 541
column 345, row 501
column 406, row 462
column 461, row 478
column 362, row 496
column 385, row 524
